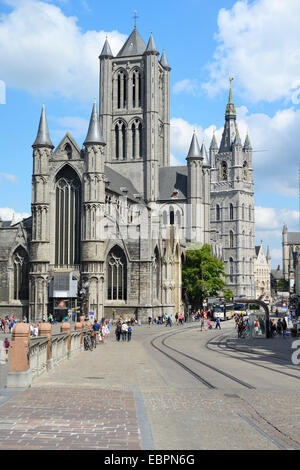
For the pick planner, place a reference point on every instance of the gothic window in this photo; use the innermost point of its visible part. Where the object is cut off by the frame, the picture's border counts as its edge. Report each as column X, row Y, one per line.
column 67, row 217
column 140, row 129
column 178, row 218
column 136, row 89
column 172, row 216
column 224, row 171
column 243, row 211
column 21, row 271
column 133, row 141
column 218, row 213
column 120, row 141
column 231, row 211
column 165, row 218
column 136, row 139
column 231, row 239
column 231, row 269
column 243, row 240
column 116, row 269
column 122, row 90
column 68, row 150
column 245, row 171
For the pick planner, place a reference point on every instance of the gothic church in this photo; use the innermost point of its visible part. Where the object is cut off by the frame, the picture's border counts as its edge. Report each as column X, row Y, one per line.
column 111, row 221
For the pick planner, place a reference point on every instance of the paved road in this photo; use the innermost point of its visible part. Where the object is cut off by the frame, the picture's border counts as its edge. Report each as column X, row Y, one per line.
column 130, row 396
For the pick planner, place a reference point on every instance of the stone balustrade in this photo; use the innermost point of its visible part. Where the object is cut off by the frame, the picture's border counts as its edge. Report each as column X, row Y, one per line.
column 31, row 357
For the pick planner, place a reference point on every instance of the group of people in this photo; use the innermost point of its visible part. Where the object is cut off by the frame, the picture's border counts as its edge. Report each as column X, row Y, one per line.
column 101, row 331
column 123, row 330
column 278, row 327
column 7, row 323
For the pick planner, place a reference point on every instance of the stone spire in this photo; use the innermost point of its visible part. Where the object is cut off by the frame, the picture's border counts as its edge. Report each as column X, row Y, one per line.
column 106, row 51
column 164, row 62
column 94, row 135
column 237, row 140
column 194, row 152
column 247, row 144
column 230, row 128
column 43, row 137
column 151, row 47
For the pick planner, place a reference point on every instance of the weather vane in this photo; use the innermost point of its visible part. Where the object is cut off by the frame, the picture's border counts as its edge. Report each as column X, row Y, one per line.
column 135, row 17
column 231, row 80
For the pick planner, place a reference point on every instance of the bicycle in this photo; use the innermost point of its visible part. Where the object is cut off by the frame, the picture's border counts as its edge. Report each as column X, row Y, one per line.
column 87, row 342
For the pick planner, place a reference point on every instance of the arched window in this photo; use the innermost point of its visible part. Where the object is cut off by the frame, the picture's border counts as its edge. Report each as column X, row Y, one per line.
column 120, row 141
column 67, row 217
column 122, row 90
column 68, row 150
column 218, row 212
column 243, row 211
column 243, row 240
column 231, row 269
column 136, row 89
column 224, row 171
column 136, row 139
column 178, row 219
column 231, row 211
column 165, row 218
column 116, row 269
column 172, row 216
column 245, row 171
column 231, row 239
column 21, row 272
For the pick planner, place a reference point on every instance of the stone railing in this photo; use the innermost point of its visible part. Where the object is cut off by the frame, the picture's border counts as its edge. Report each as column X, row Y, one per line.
column 32, row 357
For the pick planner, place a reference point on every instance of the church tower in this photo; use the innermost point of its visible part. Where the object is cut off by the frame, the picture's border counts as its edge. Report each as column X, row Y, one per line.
column 135, row 112
column 232, row 203
column 39, row 246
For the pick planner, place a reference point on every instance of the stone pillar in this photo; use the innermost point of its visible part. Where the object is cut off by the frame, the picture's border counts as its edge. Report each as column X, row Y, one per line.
column 79, row 327
column 19, row 375
column 46, row 330
column 66, row 328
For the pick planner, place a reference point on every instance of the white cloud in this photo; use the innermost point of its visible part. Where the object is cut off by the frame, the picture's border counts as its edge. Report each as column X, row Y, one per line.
column 185, row 86
column 45, row 52
column 9, row 177
column 7, row 213
column 259, row 44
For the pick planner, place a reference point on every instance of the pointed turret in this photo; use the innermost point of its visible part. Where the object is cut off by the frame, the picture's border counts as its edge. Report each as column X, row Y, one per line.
column 94, row 135
column 194, row 151
column 213, row 144
column 204, row 155
column 247, row 144
column 43, row 137
column 106, row 51
column 237, row 140
column 133, row 46
column 164, row 62
column 151, row 47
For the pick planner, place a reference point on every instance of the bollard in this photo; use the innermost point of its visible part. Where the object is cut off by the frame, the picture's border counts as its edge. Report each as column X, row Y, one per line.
column 66, row 328
column 46, row 330
column 19, row 374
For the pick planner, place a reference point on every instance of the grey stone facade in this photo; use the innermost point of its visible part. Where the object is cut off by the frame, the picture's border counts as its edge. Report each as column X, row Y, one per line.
column 113, row 218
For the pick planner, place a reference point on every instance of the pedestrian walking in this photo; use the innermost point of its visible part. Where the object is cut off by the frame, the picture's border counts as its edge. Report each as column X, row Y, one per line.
column 118, row 331
column 124, row 331
column 284, row 327
column 218, row 323
column 6, row 344
column 149, row 321
column 129, row 332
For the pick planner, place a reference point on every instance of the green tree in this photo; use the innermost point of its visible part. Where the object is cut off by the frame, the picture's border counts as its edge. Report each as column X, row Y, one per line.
column 203, row 276
column 283, row 285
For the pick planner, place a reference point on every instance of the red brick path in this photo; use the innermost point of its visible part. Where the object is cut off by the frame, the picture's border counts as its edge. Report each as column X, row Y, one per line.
column 69, row 418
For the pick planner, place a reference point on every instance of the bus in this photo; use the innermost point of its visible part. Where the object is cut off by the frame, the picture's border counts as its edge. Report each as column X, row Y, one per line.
column 240, row 309
column 223, row 311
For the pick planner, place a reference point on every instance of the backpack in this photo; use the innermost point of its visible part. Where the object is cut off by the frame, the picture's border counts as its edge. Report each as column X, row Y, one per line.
column 129, row 329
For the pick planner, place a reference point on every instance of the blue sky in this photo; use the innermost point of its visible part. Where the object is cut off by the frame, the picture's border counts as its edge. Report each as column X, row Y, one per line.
column 49, row 54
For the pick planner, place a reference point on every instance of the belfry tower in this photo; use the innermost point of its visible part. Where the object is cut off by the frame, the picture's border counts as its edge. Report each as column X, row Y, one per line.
column 134, row 111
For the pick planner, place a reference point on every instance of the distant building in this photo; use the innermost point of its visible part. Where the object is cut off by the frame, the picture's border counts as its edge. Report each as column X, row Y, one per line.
column 262, row 272
column 290, row 255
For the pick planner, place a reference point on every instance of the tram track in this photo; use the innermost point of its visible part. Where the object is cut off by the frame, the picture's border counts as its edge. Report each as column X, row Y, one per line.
column 195, row 359
column 232, row 354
